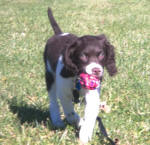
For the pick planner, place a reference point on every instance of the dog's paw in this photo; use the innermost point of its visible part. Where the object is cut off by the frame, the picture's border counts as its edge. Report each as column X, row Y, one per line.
column 84, row 134
column 73, row 118
column 59, row 124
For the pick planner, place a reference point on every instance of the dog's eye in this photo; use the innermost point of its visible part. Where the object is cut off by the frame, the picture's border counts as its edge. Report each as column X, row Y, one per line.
column 100, row 55
column 84, row 57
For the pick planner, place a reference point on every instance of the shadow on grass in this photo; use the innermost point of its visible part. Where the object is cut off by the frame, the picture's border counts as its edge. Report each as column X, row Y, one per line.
column 32, row 115
column 29, row 113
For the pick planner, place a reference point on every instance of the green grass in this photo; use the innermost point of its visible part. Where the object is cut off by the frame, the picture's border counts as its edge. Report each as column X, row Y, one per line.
column 24, row 28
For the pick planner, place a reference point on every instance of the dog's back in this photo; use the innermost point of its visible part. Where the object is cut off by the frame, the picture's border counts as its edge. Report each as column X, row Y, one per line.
column 57, row 43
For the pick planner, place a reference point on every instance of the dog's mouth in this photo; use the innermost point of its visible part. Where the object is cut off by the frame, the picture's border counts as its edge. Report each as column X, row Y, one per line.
column 94, row 69
column 99, row 77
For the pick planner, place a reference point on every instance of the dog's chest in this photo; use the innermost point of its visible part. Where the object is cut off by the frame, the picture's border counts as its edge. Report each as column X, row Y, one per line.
column 66, row 85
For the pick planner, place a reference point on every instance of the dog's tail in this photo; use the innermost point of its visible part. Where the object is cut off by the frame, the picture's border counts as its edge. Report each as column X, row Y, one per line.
column 53, row 22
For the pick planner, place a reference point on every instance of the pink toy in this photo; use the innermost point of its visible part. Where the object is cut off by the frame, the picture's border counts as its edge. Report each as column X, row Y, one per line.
column 89, row 82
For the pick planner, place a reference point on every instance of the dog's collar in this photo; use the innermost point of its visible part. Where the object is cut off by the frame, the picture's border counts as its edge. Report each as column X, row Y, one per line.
column 76, row 89
column 77, row 84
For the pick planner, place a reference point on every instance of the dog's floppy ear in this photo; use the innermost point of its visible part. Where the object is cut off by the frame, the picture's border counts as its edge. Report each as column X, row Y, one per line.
column 69, row 58
column 110, row 63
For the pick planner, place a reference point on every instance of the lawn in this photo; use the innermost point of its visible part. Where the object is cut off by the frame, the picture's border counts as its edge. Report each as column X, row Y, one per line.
column 25, row 28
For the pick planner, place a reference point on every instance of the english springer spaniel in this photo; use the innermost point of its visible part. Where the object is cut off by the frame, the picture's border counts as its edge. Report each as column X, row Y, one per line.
column 66, row 56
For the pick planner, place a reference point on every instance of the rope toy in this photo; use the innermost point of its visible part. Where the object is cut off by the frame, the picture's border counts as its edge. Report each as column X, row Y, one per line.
column 86, row 81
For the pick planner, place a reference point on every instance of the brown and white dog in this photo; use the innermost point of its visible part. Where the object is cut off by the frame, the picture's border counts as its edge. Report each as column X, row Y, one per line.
column 66, row 56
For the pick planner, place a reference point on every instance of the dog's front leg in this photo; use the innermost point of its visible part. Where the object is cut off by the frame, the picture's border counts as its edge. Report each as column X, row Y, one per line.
column 64, row 92
column 71, row 116
column 90, row 115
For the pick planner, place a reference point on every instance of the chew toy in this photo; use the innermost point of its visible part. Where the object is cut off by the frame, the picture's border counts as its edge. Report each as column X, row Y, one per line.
column 86, row 81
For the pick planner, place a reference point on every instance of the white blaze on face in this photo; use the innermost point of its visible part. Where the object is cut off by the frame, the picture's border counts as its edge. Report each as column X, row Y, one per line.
column 92, row 65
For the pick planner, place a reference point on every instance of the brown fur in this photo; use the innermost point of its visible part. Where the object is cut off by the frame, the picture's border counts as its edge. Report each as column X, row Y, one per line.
column 77, row 52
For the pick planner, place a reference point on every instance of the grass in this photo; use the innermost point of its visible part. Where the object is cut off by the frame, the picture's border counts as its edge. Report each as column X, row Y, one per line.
column 24, row 26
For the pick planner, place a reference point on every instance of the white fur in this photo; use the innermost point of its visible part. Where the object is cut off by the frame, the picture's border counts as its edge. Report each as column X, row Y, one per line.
column 48, row 66
column 63, row 91
column 92, row 65
column 64, row 34
column 54, row 108
column 62, row 88
column 90, row 114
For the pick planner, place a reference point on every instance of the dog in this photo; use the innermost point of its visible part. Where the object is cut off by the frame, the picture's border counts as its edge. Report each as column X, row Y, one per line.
column 66, row 56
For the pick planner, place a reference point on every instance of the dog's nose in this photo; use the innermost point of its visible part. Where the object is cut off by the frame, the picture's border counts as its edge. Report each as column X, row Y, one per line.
column 96, row 71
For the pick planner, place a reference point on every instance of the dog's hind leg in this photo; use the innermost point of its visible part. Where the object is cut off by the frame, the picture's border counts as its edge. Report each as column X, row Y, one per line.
column 54, row 108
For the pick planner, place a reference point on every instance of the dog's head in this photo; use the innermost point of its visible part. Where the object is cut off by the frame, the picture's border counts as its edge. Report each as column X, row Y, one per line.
column 90, row 54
